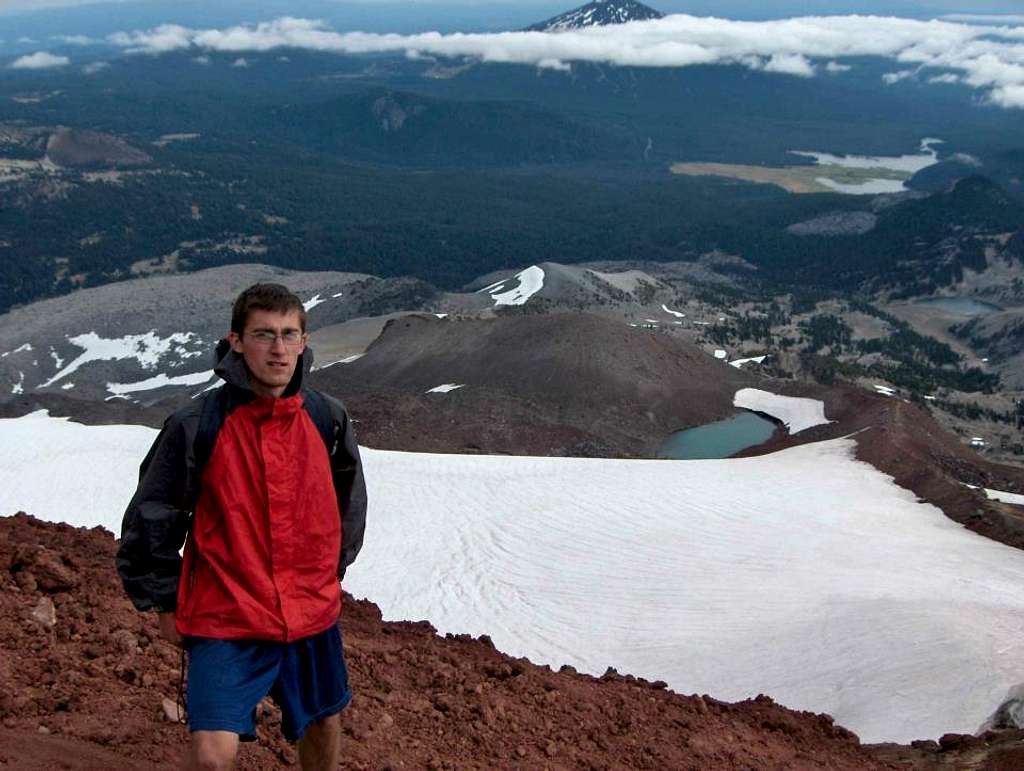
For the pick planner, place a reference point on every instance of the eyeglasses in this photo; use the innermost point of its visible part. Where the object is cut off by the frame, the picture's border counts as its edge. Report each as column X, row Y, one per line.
column 290, row 338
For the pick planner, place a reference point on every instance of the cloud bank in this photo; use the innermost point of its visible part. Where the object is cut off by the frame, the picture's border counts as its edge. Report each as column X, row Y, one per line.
column 988, row 58
column 40, row 60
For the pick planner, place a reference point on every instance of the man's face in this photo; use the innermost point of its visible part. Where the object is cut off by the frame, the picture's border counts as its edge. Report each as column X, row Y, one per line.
column 271, row 344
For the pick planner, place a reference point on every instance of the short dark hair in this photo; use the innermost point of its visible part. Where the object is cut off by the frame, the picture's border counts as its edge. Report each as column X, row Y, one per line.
column 265, row 297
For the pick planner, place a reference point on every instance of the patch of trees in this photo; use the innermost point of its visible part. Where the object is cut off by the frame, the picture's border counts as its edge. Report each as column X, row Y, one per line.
column 826, row 331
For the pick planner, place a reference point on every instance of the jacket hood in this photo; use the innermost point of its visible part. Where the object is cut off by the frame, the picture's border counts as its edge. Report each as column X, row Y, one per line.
column 231, row 368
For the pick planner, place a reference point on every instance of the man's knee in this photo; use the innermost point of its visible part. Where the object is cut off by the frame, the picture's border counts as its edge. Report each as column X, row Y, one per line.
column 320, row 747
column 213, row 750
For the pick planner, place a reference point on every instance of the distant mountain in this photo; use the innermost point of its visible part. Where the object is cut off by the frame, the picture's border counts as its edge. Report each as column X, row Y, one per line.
column 531, row 384
column 596, row 14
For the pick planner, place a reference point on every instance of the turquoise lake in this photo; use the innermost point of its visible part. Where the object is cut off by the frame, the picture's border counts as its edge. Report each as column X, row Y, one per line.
column 718, row 440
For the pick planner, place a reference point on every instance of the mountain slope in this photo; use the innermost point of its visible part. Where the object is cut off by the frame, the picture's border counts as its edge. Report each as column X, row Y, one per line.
column 423, row 701
column 678, row 571
column 597, row 13
column 149, row 334
column 562, row 383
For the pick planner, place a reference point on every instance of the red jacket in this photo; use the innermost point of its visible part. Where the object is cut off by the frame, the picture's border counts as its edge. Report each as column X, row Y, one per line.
column 272, row 524
column 263, row 557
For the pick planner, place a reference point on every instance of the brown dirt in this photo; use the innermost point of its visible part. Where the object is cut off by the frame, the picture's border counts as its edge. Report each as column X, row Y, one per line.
column 81, row 148
column 792, row 179
column 550, row 384
column 86, row 692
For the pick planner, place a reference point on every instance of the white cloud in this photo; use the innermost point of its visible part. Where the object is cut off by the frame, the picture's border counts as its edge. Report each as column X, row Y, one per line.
column 204, row 60
column 554, row 64
column 790, row 64
column 985, row 18
column 896, row 77
column 74, row 40
column 837, row 67
column 1008, row 96
column 966, row 159
column 241, row 61
column 40, row 60
column 93, row 67
column 159, row 40
column 987, row 57
column 949, row 77
column 26, row 41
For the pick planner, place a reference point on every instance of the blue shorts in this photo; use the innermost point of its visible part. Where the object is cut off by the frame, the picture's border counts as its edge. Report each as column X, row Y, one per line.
column 228, row 678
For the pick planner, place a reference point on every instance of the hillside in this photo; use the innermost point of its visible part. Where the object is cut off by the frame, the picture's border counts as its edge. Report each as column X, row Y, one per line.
column 557, row 384
column 85, row 680
column 92, row 674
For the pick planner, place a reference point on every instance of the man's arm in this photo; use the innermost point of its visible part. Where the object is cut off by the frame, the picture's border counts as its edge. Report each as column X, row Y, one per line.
column 156, row 522
column 349, row 486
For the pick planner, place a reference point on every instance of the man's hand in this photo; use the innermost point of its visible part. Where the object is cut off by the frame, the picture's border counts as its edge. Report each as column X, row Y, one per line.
column 168, row 630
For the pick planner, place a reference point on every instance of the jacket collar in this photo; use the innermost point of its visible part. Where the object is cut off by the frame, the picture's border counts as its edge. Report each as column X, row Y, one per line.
column 231, row 369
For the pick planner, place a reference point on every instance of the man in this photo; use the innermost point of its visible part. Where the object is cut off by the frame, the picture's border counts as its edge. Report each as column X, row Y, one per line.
column 277, row 511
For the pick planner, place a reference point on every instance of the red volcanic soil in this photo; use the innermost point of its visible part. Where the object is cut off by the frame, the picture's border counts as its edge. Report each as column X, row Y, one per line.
column 83, row 680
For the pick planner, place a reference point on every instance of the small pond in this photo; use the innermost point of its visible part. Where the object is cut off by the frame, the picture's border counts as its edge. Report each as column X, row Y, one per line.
column 962, row 306
column 718, row 440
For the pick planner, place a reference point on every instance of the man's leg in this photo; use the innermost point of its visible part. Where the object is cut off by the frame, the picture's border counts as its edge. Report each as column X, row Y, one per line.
column 212, row 751
column 320, row 746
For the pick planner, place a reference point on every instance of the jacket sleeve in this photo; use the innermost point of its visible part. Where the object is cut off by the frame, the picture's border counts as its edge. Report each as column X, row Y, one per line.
column 349, row 486
column 156, row 522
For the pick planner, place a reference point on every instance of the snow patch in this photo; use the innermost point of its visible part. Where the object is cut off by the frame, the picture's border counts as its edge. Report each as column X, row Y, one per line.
column 526, row 284
column 147, row 349
column 346, row 360
column 798, row 414
column 21, row 349
column 721, row 355
column 677, row 314
column 160, row 381
column 445, row 388
column 885, row 390
column 738, row 363
column 998, row 495
column 19, row 387
column 313, row 301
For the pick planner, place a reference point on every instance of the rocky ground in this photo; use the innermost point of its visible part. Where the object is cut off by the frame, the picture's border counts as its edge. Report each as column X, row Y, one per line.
column 86, row 683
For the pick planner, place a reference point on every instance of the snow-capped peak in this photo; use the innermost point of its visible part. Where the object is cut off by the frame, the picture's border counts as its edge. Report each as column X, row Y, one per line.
column 598, row 13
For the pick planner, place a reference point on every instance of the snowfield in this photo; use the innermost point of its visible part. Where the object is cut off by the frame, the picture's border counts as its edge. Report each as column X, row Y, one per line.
column 804, row 574
column 796, row 413
column 738, row 363
column 446, row 388
column 518, row 289
column 160, row 381
column 147, row 349
column 998, row 495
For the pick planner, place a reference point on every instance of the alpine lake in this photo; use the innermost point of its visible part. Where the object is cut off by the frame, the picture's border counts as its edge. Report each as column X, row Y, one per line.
column 718, row 440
